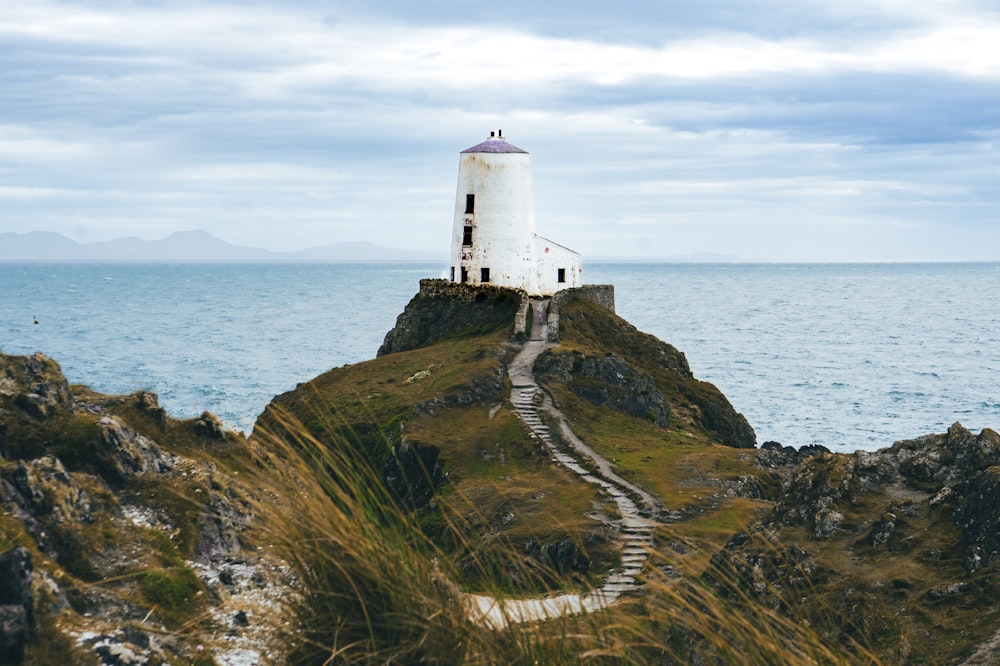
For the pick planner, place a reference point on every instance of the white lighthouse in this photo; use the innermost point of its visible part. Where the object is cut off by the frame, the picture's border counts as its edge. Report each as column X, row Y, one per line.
column 493, row 238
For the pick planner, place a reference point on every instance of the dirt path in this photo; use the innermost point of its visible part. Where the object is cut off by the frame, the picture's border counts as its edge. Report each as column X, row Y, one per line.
column 636, row 507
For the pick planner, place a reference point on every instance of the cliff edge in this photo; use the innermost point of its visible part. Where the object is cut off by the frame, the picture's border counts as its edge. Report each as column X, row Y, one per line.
column 126, row 535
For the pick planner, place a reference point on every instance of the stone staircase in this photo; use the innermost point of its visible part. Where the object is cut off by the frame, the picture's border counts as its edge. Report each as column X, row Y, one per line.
column 636, row 507
column 529, row 402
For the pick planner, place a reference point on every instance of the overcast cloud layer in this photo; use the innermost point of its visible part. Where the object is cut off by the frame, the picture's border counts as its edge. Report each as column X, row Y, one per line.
column 817, row 131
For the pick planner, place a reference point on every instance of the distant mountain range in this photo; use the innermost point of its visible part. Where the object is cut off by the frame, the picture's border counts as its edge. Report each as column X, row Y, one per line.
column 188, row 246
column 203, row 247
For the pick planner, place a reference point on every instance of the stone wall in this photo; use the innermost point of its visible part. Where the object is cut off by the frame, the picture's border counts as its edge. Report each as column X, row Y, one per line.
column 602, row 294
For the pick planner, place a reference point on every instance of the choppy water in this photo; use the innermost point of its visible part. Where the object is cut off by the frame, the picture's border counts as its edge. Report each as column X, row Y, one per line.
column 848, row 356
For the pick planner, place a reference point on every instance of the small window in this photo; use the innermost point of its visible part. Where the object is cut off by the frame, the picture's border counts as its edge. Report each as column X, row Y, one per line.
column 484, row 275
column 465, row 274
column 467, row 236
column 470, row 204
column 452, row 273
column 561, row 274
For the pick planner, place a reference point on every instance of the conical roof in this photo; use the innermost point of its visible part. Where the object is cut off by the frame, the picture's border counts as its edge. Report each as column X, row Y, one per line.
column 494, row 144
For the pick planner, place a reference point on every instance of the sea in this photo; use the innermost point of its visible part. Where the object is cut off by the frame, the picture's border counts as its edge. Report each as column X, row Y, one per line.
column 848, row 356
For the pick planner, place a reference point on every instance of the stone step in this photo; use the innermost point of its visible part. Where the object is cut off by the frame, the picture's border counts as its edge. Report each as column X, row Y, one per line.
column 636, row 531
column 618, row 590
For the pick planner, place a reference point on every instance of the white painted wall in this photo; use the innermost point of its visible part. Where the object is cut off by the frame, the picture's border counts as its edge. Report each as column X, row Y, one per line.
column 503, row 224
column 550, row 258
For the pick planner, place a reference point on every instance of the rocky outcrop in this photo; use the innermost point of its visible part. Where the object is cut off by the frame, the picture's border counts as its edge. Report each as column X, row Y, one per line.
column 210, row 426
column 607, row 380
column 118, row 519
column 955, row 472
column 613, row 347
column 717, row 414
column 35, row 385
column 872, row 544
column 447, row 309
column 125, row 453
column 17, row 606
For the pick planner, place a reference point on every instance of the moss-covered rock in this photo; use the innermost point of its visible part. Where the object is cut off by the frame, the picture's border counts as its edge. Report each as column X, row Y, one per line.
column 887, row 551
column 115, row 505
column 443, row 309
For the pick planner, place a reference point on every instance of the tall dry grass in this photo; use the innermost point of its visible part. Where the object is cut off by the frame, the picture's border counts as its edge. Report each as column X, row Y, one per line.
column 376, row 589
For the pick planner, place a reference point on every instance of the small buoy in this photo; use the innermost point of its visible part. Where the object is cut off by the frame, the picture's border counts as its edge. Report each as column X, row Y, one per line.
column 36, row 320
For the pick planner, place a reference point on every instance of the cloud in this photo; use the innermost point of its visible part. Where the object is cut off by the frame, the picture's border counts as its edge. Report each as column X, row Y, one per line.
column 294, row 125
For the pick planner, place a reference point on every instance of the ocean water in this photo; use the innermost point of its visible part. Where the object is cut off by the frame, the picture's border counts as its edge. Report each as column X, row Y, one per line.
column 843, row 355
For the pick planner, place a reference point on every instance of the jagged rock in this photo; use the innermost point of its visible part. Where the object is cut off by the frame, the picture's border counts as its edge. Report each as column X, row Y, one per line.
column 127, row 453
column 17, row 614
column 774, row 456
column 68, row 459
column 34, row 385
column 964, row 472
column 977, row 514
column 613, row 381
column 866, row 505
column 149, row 403
column 210, row 426
column 44, row 488
column 116, row 654
column 50, row 594
column 593, row 326
column 826, row 519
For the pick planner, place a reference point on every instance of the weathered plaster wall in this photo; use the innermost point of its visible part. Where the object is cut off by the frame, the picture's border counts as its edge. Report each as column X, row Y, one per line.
column 550, row 257
column 502, row 221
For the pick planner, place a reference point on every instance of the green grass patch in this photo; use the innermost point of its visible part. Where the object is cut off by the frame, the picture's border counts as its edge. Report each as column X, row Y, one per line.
column 172, row 592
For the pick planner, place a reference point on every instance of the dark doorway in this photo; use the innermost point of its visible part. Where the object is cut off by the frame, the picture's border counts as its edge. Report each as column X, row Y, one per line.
column 484, row 275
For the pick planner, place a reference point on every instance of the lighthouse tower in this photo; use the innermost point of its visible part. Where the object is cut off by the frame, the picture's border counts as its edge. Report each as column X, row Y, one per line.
column 493, row 237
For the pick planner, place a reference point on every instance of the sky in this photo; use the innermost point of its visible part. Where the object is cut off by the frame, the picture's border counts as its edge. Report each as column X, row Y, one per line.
column 817, row 130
